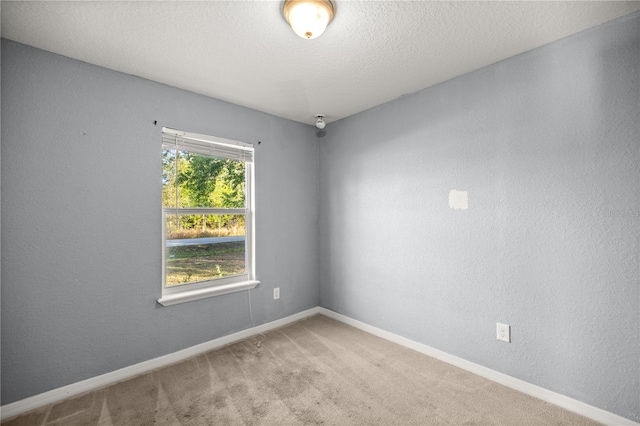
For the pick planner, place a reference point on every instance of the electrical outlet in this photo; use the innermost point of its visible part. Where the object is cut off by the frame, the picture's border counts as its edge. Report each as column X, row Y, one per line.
column 503, row 332
column 276, row 293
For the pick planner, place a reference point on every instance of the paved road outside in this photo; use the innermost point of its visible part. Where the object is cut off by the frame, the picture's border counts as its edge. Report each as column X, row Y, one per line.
column 210, row 240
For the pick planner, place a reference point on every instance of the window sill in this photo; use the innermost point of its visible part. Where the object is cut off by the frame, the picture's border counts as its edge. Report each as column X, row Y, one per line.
column 202, row 293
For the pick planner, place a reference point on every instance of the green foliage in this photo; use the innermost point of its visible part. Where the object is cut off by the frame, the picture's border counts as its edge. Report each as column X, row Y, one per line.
column 198, row 177
column 195, row 180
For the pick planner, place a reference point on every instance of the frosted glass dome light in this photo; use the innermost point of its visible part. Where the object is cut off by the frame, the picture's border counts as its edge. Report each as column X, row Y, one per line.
column 308, row 18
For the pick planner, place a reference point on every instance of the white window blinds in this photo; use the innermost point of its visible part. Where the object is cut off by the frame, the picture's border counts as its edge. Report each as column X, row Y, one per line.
column 207, row 145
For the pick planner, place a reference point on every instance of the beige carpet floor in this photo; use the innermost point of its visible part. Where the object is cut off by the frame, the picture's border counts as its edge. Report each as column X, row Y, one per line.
column 316, row 371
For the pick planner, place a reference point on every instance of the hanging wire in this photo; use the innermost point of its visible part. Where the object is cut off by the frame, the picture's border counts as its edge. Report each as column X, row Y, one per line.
column 258, row 342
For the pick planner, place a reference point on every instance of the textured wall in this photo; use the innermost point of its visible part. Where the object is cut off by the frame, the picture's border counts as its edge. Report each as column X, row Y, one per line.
column 547, row 146
column 81, row 222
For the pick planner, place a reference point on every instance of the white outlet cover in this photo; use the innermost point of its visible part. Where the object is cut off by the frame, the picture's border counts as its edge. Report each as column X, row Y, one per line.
column 458, row 200
column 503, row 332
column 276, row 293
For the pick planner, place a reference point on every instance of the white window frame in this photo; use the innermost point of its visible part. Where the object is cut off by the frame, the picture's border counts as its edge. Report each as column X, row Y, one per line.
column 223, row 148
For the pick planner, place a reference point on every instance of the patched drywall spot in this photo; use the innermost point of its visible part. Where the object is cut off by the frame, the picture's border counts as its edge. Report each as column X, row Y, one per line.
column 458, row 200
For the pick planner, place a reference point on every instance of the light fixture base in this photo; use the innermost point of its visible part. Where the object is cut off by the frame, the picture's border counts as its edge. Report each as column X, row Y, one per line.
column 308, row 18
column 320, row 124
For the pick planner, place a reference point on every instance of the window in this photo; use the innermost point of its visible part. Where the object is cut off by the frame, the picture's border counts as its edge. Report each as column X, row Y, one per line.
column 207, row 216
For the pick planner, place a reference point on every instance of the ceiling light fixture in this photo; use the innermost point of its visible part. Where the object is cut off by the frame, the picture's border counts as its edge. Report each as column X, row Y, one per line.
column 308, row 18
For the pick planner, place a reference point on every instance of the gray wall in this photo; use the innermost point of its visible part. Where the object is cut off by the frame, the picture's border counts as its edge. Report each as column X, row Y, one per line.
column 81, row 222
column 547, row 146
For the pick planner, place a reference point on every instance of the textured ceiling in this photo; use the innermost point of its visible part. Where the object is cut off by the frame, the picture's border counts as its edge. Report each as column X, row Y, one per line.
column 244, row 52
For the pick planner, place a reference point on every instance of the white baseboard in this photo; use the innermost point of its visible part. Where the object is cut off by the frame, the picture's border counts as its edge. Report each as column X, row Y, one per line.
column 56, row 395
column 565, row 402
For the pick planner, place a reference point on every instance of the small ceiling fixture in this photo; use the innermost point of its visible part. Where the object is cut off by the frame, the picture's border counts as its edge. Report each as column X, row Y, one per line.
column 320, row 121
column 308, row 18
